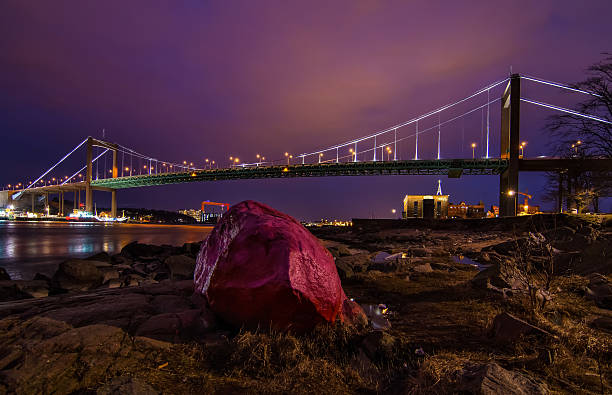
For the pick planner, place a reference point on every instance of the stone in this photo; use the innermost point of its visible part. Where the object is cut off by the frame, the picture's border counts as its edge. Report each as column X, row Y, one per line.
column 100, row 257
column 339, row 250
column 10, row 291
column 77, row 275
column 380, row 257
column 492, row 379
column 604, row 323
column 125, row 385
column 418, row 252
column 424, row 268
column 262, row 268
column 600, row 290
column 378, row 345
column 4, row 275
column 175, row 327
column 344, row 270
column 376, row 317
column 135, row 249
column 352, row 314
column 507, row 327
column 181, row 267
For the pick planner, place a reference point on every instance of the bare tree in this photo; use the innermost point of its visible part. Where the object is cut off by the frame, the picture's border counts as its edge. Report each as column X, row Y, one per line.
column 580, row 137
column 595, row 136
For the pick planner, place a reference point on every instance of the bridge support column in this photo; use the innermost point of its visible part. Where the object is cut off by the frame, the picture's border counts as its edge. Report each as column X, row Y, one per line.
column 33, row 200
column 74, row 201
column 114, row 203
column 61, row 204
column 114, row 192
column 509, row 147
column 560, row 195
column 88, row 190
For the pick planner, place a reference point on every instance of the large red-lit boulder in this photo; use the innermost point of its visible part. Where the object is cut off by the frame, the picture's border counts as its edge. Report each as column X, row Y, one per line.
column 260, row 267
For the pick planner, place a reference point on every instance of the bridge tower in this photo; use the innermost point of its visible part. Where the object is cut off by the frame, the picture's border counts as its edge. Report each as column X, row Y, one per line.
column 509, row 146
column 91, row 142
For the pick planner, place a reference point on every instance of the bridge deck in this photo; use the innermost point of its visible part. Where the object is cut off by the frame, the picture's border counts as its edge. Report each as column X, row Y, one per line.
column 451, row 167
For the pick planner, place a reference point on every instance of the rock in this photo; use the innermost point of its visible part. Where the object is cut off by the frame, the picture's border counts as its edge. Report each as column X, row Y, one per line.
column 174, row 327
column 604, row 323
column 135, row 249
column 358, row 263
column 181, row 267
column 491, row 379
column 418, row 252
column 100, row 257
column 375, row 315
column 34, row 288
column 507, row 327
column 10, row 291
column 424, row 268
column 600, row 290
column 109, row 274
column 262, row 268
column 380, row 257
column 378, row 345
column 499, row 276
column 344, row 270
column 338, row 251
column 170, row 304
column 41, row 277
column 77, row 275
column 4, row 275
column 352, row 314
column 125, row 385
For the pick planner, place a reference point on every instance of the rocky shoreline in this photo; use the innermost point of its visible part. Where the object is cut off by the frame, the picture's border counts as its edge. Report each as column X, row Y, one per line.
column 131, row 322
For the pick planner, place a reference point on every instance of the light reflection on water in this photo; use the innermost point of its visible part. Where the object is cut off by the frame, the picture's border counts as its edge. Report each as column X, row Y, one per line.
column 30, row 247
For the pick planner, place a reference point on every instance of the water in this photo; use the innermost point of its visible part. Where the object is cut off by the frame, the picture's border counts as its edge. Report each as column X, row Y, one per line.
column 30, row 247
column 467, row 261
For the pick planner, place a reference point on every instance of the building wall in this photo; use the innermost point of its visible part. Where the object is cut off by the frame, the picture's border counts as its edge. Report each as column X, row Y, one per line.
column 413, row 206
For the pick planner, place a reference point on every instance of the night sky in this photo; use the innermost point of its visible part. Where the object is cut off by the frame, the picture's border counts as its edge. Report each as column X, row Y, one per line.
column 190, row 80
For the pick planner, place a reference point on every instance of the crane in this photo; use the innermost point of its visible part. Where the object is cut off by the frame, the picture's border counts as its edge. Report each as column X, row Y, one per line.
column 527, row 197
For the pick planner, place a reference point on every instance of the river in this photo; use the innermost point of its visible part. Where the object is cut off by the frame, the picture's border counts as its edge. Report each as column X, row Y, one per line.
column 30, row 247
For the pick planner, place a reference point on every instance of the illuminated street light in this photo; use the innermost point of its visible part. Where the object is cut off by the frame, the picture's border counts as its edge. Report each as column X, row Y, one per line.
column 320, row 156
column 473, row 148
column 353, row 153
column 393, row 211
column 522, row 148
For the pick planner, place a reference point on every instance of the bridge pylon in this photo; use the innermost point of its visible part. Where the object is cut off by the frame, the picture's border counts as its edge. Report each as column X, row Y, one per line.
column 509, row 146
column 91, row 142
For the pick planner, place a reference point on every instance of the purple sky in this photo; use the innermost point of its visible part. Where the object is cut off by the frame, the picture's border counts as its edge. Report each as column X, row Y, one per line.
column 196, row 79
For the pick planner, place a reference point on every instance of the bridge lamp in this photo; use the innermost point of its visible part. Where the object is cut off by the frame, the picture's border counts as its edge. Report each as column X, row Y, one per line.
column 320, row 156
column 236, row 160
column 393, row 211
column 473, row 148
column 184, row 162
column 511, row 192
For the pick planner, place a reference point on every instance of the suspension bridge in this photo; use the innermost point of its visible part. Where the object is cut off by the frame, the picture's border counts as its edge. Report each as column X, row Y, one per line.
column 391, row 151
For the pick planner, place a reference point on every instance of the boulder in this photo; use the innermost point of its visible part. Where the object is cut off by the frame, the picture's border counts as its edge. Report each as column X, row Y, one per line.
column 380, row 257
column 344, row 270
column 352, row 314
column 10, row 291
column 126, row 385
column 424, row 268
column 600, row 290
column 4, row 275
column 262, row 268
column 100, row 257
column 135, row 249
column 376, row 317
column 490, row 379
column 181, row 267
column 339, row 250
column 77, row 275
column 507, row 327
column 418, row 252
column 604, row 323
column 174, row 327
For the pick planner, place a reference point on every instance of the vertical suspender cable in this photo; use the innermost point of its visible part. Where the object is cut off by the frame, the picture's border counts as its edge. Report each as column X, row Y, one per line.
column 488, row 104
